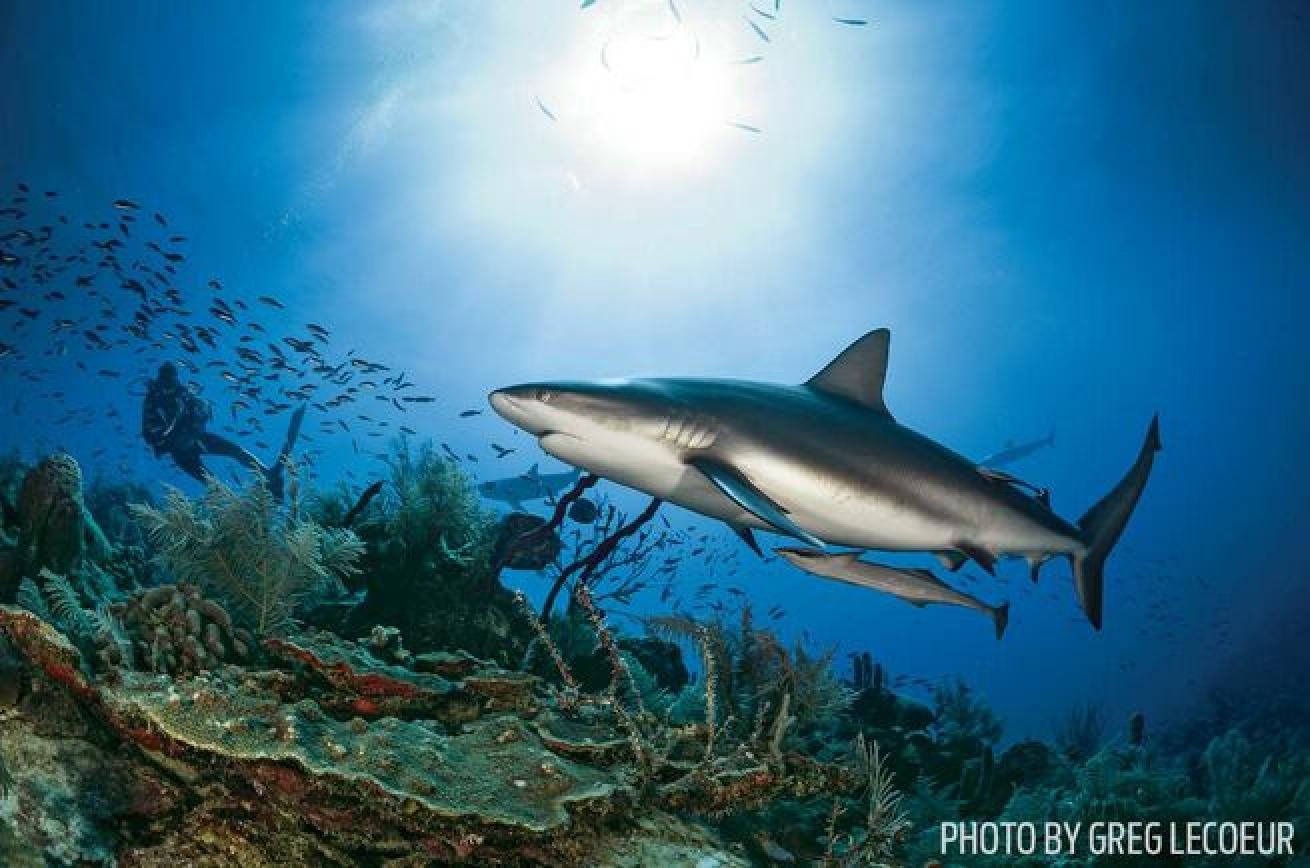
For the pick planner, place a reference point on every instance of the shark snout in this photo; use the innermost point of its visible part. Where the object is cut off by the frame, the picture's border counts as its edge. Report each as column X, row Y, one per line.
column 505, row 404
column 521, row 406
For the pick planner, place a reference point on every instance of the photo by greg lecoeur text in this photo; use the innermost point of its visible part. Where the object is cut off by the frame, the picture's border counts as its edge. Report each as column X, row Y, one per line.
column 1119, row 838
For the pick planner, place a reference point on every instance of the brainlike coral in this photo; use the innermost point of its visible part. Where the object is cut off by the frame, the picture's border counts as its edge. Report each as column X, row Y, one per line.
column 262, row 562
column 174, row 629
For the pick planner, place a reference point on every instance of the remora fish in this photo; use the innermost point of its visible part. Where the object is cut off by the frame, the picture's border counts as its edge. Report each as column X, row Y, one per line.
column 823, row 461
column 916, row 587
column 532, row 485
column 1013, row 452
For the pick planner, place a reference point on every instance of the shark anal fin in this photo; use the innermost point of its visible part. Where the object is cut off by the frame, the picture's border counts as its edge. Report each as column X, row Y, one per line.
column 984, row 558
column 1001, row 618
column 751, row 499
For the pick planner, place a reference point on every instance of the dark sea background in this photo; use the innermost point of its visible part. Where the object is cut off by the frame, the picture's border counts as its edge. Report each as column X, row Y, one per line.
column 1070, row 215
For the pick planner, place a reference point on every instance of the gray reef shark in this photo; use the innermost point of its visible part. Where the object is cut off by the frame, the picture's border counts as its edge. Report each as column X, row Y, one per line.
column 532, row 485
column 916, row 587
column 1012, row 451
column 823, row 461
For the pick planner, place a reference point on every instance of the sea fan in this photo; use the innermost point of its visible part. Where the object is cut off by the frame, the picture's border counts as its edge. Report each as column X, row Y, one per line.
column 243, row 548
column 108, row 629
column 65, row 604
column 886, row 821
column 31, row 599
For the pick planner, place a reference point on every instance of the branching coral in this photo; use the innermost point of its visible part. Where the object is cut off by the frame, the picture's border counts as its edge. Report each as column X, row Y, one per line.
column 886, row 821
column 749, row 672
column 544, row 640
column 431, row 509
column 1079, row 733
column 53, row 598
column 962, row 717
column 241, row 547
column 1247, row 781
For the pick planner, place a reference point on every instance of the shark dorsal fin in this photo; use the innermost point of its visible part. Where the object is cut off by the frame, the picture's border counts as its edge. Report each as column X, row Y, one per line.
column 859, row 372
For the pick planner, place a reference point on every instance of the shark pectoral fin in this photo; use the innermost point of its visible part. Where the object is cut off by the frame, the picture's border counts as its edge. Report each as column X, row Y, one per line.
column 984, row 558
column 749, row 498
column 748, row 538
column 1035, row 565
column 951, row 560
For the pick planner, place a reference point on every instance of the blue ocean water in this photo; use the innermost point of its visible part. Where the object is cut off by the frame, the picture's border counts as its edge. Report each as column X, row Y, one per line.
column 1070, row 216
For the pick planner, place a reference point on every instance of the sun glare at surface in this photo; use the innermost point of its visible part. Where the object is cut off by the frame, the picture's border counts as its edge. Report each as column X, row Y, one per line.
column 644, row 88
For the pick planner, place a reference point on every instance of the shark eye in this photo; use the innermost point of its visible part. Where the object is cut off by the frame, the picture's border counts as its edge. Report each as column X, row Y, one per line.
column 544, row 395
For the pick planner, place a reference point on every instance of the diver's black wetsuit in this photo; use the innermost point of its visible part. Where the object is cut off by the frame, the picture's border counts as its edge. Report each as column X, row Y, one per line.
column 173, row 422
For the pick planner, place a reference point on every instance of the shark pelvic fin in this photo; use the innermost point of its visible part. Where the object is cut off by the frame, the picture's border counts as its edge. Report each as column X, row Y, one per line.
column 749, row 538
column 751, row 499
column 951, row 560
column 858, row 374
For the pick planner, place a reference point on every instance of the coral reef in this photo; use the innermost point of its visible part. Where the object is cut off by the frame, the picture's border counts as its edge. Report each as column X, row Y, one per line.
column 173, row 629
column 240, row 546
column 525, row 542
column 338, row 757
column 427, row 565
column 54, row 530
column 197, row 710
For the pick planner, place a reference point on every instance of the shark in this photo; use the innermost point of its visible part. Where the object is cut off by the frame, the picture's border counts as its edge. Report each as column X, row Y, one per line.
column 532, row 485
column 915, row 586
column 1016, row 451
column 824, row 462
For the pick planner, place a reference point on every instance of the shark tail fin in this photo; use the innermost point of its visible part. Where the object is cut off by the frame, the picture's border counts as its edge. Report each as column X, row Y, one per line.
column 1001, row 618
column 1104, row 522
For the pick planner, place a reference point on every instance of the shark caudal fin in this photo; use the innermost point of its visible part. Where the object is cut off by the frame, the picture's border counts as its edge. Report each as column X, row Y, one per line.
column 1105, row 521
column 1001, row 618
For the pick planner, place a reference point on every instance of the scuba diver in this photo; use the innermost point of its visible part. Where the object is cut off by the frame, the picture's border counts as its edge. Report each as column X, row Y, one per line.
column 173, row 421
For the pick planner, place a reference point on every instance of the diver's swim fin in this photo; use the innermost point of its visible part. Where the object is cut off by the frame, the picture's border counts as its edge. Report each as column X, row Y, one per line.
column 274, row 473
column 293, row 433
